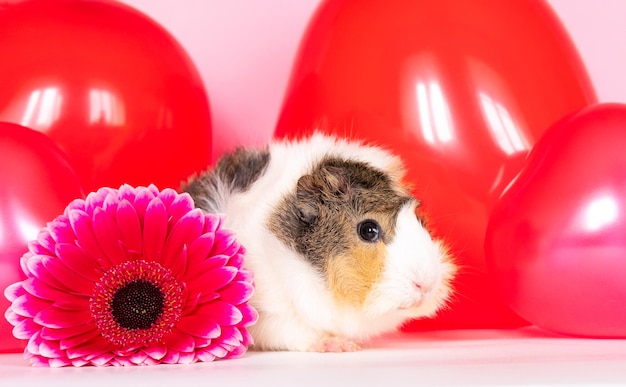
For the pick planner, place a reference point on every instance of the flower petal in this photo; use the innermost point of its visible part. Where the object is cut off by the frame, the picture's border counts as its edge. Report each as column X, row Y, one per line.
column 74, row 258
column 71, row 302
column 72, row 281
column 231, row 336
column 171, row 357
column 50, row 349
column 34, row 247
column 208, row 297
column 237, row 352
column 79, row 362
column 213, row 280
column 111, row 202
column 28, row 305
column 78, row 340
column 90, row 350
column 38, row 361
column 156, row 351
column 153, row 188
column 45, row 241
column 96, row 199
column 126, row 192
column 141, row 202
column 129, row 227
column 25, row 329
column 186, row 357
column 60, row 230
column 200, row 248
column 212, row 222
column 225, row 243
column 217, row 351
column 178, row 266
column 12, row 317
column 63, row 333
column 179, row 341
column 244, row 276
column 202, row 342
column 154, row 229
column 36, row 267
column 202, row 267
column 43, row 290
column 57, row 318
column 186, row 230
column 167, row 196
column 237, row 260
column 13, row 291
column 82, row 226
column 115, row 361
column 205, row 356
column 58, row 362
column 76, row 204
column 249, row 313
column 237, row 292
column 181, row 205
column 138, row 358
column 222, row 312
column 198, row 325
column 100, row 360
column 247, row 337
column 108, row 235
column 33, row 344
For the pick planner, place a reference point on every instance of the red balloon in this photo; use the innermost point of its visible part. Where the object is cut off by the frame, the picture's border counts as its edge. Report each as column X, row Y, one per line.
column 36, row 184
column 556, row 241
column 110, row 86
column 461, row 90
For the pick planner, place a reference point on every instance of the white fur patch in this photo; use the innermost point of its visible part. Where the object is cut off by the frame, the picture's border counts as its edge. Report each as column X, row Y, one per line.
column 416, row 272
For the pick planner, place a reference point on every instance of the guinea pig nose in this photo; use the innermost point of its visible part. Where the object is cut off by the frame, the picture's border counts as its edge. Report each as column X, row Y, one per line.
column 422, row 287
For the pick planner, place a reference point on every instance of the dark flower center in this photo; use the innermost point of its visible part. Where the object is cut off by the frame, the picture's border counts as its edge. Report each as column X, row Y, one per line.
column 137, row 305
column 136, row 302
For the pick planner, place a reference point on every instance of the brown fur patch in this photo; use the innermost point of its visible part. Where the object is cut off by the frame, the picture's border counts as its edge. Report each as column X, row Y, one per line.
column 234, row 172
column 351, row 277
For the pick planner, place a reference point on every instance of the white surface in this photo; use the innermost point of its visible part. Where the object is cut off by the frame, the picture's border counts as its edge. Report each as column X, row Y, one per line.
column 526, row 357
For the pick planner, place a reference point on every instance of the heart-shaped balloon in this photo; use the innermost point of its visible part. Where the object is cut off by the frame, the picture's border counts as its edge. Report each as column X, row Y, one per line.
column 110, row 86
column 556, row 241
column 36, row 184
column 460, row 89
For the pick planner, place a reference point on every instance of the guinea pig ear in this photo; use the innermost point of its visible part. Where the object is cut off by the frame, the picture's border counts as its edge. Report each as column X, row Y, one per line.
column 337, row 181
column 327, row 184
column 308, row 194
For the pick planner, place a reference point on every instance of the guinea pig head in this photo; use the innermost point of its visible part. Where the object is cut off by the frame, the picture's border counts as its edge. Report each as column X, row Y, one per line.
column 357, row 225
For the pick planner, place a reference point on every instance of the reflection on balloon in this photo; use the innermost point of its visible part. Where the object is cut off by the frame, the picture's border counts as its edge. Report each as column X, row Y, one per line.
column 508, row 137
column 105, row 108
column 434, row 114
column 36, row 184
column 555, row 240
column 110, row 86
column 461, row 90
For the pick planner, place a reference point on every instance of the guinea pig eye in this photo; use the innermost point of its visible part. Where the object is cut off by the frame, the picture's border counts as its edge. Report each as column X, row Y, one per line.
column 369, row 230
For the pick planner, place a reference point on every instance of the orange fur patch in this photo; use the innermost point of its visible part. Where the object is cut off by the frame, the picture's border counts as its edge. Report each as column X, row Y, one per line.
column 351, row 277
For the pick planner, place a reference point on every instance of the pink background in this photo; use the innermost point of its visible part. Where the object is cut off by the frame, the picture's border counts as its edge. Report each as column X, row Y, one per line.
column 244, row 50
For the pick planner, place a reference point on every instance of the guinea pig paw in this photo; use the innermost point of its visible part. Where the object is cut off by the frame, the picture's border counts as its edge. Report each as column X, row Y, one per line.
column 335, row 344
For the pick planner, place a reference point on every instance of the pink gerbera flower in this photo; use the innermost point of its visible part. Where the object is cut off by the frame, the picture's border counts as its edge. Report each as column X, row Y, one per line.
column 132, row 276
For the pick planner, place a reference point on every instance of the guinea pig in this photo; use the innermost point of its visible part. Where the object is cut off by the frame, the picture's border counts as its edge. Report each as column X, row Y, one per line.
column 338, row 253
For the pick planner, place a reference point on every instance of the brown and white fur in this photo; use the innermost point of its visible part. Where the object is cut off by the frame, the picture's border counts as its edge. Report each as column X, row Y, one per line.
column 298, row 208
